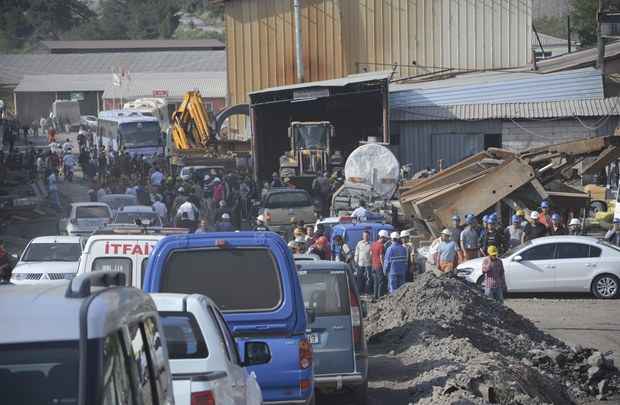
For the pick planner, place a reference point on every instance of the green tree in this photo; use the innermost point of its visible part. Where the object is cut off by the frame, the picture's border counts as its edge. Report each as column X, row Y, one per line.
column 552, row 25
column 584, row 20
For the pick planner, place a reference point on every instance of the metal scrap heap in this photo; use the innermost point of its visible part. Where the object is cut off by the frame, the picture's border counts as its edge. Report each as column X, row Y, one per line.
column 497, row 176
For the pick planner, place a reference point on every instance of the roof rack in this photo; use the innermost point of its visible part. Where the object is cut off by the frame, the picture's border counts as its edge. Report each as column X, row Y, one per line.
column 80, row 286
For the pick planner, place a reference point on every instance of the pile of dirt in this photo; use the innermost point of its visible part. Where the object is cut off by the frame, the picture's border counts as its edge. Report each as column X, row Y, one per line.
column 461, row 346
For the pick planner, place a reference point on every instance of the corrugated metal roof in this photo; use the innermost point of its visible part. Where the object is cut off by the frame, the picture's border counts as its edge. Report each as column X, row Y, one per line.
column 14, row 67
column 574, row 60
column 52, row 83
column 499, row 87
column 135, row 44
column 340, row 82
column 210, row 85
column 532, row 110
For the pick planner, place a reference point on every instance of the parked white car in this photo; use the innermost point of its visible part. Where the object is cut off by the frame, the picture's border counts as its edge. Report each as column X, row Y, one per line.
column 48, row 258
column 557, row 264
column 130, row 213
column 85, row 218
column 206, row 367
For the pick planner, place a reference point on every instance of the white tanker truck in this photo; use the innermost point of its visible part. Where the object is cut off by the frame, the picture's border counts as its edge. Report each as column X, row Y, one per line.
column 372, row 174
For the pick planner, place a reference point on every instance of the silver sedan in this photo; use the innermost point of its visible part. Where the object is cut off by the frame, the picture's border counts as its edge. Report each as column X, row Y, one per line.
column 557, row 264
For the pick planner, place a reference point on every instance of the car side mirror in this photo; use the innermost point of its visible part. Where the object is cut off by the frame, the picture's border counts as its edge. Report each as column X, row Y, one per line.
column 311, row 315
column 256, row 353
column 517, row 258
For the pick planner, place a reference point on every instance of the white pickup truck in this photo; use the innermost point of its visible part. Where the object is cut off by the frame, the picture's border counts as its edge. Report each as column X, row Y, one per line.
column 204, row 361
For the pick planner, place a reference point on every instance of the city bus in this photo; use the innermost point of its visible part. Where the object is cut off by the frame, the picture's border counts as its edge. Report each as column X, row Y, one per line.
column 130, row 130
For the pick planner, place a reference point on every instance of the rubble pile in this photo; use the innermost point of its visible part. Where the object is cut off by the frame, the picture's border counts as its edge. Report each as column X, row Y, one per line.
column 458, row 345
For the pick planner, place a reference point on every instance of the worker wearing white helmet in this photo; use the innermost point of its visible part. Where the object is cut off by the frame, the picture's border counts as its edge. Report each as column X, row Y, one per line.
column 260, row 224
column 395, row 263
column 574, row 227
column 446, row 255
column 377, row 252
column 405, row 239
column 535, row 229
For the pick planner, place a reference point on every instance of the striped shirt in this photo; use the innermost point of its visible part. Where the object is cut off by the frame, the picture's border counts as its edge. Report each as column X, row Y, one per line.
column 493, row 271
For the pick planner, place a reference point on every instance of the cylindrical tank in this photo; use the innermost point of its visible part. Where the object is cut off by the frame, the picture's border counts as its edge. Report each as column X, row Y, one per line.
column 375, row 165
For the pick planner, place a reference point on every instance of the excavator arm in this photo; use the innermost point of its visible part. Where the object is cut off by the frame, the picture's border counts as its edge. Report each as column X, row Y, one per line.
column 191, row 124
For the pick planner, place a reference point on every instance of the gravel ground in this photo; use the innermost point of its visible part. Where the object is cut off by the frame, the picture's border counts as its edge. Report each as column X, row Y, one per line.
column 438, row 341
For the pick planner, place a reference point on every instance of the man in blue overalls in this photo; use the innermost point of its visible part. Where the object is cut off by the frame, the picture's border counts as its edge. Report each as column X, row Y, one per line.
column 395, row 263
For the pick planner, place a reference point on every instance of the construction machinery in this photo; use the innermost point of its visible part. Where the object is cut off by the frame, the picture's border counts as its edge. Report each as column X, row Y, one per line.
column 310, row 153
column 192, row 139
column 496, row 178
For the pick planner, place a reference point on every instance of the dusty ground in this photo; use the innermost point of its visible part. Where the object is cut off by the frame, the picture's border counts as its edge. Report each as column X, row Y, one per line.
column 575, row 319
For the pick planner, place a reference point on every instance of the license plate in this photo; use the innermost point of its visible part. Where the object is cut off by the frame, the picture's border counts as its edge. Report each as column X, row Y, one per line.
column 313, row 338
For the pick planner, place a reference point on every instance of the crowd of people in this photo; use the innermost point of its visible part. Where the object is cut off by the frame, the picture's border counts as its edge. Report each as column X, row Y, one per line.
column 490, row 240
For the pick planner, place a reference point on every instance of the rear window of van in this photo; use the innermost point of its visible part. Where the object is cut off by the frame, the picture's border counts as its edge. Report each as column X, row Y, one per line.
column 239, row 279
column 326, row 291
column 92, row 212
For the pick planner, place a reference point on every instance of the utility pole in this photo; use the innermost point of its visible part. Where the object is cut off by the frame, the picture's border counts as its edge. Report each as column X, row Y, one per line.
column 570, row 45
column 299, row 63
column 600, row 40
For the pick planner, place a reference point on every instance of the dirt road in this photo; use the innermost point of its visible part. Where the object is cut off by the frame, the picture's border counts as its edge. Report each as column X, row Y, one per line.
column 575, row 320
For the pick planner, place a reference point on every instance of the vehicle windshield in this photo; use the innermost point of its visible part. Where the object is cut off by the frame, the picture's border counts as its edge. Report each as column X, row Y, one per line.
column 130, row 218
column 92, row 212
column 510, row 252
column 39, row 373
column 52, row 252
column 311, row 136
column 325, row 291
column 139, row 134
column 288, row 199
column 118, row 202
column 183, row 336
column 251, row 272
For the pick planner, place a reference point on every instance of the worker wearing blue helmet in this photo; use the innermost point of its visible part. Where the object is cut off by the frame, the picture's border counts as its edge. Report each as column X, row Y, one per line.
column 513, row 234
column 557, row 228
column 469, row 239
column 492, row 236
column 544, row 216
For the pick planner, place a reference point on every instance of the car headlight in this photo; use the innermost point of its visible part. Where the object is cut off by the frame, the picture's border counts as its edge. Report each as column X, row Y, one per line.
column 19, row 276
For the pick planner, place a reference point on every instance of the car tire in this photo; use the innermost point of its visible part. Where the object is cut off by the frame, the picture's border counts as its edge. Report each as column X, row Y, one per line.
column 606, row 286
column 360, row 394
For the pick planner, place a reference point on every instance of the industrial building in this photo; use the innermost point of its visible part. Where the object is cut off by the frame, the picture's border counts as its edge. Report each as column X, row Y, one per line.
column 438, row 123
column 103, row 76
column 340, row 38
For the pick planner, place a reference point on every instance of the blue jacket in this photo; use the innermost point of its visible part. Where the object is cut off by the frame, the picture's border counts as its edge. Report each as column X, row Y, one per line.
column 395, row 260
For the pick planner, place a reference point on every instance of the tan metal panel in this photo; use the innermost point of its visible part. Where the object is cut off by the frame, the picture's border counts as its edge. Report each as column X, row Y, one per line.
column 290, row 73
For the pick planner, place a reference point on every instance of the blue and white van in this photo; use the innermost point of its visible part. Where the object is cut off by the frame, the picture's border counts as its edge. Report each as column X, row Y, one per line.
column 252, row 278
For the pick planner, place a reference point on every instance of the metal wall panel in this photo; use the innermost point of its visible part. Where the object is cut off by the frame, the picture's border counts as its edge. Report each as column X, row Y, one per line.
column 342, row 37
column 422, row 143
